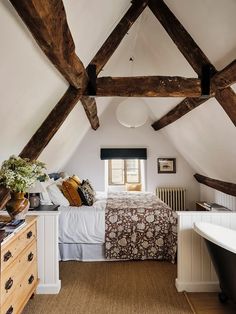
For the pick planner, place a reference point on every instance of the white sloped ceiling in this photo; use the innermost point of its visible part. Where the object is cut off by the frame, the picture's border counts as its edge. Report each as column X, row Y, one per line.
column 30, row 86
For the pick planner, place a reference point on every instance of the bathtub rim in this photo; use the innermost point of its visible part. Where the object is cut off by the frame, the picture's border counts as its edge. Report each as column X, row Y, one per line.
column 204, row 228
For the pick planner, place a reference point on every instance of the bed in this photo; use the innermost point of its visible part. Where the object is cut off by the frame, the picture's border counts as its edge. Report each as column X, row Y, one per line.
column 119, row 226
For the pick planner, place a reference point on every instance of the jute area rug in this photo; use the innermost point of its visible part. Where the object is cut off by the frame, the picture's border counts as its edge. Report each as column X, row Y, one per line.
column 208, row 303
column 143, row 287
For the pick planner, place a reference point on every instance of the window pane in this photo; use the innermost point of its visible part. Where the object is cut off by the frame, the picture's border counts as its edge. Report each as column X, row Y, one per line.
column 117, row 164
column 132, row 163
column 124, row 171
column 117, row 176
column 132, row 171
column 132, row 176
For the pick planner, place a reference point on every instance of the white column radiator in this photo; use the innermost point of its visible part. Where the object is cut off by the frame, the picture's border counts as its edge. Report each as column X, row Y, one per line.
column 173, row 197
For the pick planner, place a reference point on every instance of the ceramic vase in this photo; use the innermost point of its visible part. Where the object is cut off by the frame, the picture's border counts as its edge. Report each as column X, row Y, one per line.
column 18, row 205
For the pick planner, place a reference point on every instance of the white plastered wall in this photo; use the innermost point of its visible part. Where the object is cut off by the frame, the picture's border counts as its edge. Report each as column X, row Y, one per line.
column 86, row 161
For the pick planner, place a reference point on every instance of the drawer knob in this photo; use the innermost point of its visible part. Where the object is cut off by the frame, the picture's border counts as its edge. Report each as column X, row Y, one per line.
column 30, row 256
column 31, row 279
column 29, row 234
column 10, row 310
column 9, row 284
column 6, row 256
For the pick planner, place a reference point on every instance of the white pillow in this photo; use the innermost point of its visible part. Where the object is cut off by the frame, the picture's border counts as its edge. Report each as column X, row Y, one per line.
column 57, row 196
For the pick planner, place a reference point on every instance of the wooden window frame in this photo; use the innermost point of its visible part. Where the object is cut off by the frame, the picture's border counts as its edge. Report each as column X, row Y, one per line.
column 125, row 173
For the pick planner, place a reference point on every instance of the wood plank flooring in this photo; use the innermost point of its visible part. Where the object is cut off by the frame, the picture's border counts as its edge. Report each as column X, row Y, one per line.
column 208, row 303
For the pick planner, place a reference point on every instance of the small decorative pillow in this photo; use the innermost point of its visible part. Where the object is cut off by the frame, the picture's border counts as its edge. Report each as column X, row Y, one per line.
column 70, row 190
column 54, row 175
column 88, row 185
column 76, row 179
column 134, row 187
column 86, row 193
column 56, row 195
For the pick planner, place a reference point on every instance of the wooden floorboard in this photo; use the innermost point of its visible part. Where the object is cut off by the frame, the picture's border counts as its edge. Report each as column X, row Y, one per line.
column 208, row 303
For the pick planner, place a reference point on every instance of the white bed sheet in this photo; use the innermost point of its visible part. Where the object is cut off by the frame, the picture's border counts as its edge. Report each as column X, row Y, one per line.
column 84, row 224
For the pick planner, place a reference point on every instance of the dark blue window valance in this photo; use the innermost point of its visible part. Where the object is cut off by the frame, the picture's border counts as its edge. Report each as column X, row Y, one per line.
column 123, row 153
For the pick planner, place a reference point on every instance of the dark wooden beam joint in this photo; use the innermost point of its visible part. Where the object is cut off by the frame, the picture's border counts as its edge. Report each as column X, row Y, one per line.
column 92, row 85
column 206, row 80
column 225, row 187
column 197, row 59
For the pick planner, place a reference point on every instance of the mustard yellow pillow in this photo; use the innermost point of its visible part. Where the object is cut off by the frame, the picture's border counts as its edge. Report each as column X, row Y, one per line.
column 69, row 189
column 134, row 187
column 76, row 179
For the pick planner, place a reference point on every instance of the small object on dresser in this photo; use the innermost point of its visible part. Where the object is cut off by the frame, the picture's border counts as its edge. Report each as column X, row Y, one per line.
column 34, row 200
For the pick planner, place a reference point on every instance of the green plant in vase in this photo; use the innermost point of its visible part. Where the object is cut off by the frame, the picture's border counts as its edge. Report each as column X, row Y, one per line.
column 19, row 174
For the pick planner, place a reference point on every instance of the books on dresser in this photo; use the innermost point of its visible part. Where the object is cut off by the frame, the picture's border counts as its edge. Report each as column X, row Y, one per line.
column 208, row 206
column 8, row 229
column 213, row 206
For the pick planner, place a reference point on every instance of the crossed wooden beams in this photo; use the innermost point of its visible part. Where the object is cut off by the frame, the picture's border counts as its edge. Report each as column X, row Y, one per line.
column 220, row 82
column 47, row 22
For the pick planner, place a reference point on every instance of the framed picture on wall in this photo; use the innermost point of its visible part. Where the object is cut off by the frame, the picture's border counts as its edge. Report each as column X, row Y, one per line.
column 166, row 165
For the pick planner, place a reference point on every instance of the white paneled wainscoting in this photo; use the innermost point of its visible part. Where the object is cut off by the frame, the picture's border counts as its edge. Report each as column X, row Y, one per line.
column 195, row 271
column 226, row 200
column 48, row 254
column 210, row 195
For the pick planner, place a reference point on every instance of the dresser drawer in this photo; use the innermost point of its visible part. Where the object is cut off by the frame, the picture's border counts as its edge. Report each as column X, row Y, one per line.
column 22, row 293
column 10, row 250
column 13, row 275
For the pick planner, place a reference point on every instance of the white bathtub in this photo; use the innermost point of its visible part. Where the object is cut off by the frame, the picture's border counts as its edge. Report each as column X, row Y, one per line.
column 224, row 237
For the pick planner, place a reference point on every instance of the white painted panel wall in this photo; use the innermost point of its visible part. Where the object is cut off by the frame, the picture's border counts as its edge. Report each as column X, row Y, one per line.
column 195, row 271
column 211, row 195
column 47, row 248
column 228, row 201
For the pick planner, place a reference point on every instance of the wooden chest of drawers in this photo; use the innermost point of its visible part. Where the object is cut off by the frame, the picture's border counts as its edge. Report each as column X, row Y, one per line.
column 19, row 275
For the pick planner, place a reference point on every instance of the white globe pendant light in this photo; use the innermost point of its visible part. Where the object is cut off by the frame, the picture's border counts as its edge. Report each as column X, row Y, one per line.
column 132, row 112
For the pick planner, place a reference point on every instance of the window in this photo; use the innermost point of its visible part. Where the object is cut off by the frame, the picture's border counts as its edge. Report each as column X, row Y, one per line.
column 125, row 171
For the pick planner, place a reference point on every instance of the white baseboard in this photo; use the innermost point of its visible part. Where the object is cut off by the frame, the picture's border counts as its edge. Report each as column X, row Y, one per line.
column 49, row 288
column 207, row 286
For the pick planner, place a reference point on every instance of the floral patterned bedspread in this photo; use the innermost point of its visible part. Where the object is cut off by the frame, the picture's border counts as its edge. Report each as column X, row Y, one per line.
column 139, row 226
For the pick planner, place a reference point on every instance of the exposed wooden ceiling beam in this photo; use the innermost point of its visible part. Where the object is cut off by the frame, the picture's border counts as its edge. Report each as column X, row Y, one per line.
column 111, row 43
column 185, row 43
column 227, row 98
column 116, row 36
column 46, row 20
column 177, row 112
column 225, row 187
column 226, row 77
column 90, row 108
column 51, row 125
column 196, row 58
column 148, row 86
